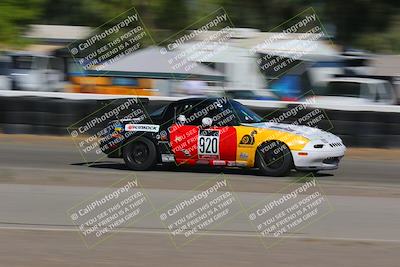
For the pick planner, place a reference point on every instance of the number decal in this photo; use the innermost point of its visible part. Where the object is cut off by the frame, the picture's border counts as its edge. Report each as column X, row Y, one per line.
column 208, row 145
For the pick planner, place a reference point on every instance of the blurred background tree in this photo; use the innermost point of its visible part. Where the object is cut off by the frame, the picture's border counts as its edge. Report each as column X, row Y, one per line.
column 14, row 16
column 361, row 24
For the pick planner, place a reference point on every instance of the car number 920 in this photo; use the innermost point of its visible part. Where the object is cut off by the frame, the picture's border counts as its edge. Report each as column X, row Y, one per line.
column 208, row 145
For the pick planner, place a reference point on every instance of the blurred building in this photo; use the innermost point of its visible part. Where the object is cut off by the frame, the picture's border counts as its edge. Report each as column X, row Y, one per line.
column 48, row 38
column 242, row 60
column 152, row 73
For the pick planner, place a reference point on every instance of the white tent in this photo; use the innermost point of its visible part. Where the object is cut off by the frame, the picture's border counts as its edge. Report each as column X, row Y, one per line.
column 151, row 63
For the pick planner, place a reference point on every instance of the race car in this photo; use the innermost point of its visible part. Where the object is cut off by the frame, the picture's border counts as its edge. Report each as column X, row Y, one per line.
column 220, row 132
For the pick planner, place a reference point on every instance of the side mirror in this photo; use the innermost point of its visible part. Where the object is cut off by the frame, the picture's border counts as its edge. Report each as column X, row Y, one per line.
column 181, row 119
column 206, row 121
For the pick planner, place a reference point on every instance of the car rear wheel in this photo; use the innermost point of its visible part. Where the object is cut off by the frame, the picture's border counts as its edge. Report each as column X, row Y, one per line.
column 274, row 159
column 140, row 154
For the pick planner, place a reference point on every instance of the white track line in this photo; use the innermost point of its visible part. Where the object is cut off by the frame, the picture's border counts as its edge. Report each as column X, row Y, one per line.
column 163, row 232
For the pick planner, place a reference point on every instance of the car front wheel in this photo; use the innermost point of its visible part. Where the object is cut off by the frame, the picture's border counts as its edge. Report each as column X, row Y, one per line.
column 274, row 159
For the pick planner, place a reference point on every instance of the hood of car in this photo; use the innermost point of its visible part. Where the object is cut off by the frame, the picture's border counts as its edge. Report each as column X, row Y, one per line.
column 310, row 133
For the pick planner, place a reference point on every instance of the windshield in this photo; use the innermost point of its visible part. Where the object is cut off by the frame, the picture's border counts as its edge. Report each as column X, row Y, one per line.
column 4, row 67
column 23, row 62
column 241, row 94
column 348, row 89
column 159, row 112
column 244, row 114
column 384, row 91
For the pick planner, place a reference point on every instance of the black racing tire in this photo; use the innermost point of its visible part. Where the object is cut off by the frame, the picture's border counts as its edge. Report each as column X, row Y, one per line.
column 140, row 154
column 273, row 158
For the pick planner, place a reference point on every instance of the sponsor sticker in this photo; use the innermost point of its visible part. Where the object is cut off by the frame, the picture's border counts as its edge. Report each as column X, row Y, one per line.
column 142, row 128
column 248, row 139
column 244, row 156
column 167, row 158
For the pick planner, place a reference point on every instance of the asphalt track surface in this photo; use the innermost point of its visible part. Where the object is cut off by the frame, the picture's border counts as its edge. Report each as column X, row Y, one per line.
column 42, row 178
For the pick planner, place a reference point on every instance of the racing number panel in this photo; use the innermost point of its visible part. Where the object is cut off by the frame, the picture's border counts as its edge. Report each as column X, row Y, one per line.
column 197, row 145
